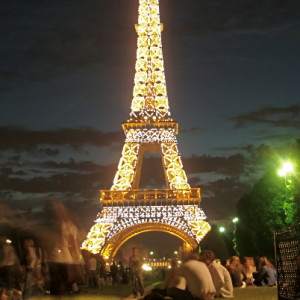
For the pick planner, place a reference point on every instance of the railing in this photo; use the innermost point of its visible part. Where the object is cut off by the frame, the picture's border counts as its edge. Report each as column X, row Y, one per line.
column 150, row 197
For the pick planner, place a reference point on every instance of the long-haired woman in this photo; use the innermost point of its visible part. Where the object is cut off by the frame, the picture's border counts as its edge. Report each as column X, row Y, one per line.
column 266, row 274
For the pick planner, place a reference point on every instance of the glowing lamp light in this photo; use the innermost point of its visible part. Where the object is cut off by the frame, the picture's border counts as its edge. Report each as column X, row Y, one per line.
column 287, row 168
column 151, row 252
column 8, row 241
column 146, row 267
column 222, row 229
column 235, row 220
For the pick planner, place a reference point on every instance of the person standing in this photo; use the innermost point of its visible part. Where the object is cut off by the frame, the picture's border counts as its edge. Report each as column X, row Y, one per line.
column 31, row 263
column 114, row 273
column 8, row 265
column 135, row 264
column 220, row 275
column 172, row 274
column 92, row 272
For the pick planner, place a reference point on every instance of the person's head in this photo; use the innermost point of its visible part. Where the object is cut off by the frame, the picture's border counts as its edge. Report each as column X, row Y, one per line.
column 249, row 261
column 225, row 262
column 193, row 256
column 28, row 243
column 234, row 260
column 263, row 261
column 135, row 251
column 207, row 256
column 234, row 263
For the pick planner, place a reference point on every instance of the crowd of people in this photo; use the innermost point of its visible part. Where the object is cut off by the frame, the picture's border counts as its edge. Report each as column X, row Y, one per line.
column 204, row 277
column 199, row 277
column 59, row 266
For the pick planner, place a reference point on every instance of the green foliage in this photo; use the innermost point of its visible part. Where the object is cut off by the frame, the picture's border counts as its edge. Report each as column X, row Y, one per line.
column 272, row 204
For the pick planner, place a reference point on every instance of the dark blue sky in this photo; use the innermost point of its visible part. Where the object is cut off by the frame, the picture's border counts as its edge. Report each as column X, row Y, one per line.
column 67, row 68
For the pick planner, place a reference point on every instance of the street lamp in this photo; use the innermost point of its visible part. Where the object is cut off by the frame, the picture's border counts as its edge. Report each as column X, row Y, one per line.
column 222, row 229
column 235, row 220
column 287, row 167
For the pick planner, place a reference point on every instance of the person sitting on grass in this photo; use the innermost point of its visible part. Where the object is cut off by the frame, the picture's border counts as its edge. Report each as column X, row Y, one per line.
column 194, row 281
column 249, row 269
column 266, row 276
column 220, row 275
column 238, row 277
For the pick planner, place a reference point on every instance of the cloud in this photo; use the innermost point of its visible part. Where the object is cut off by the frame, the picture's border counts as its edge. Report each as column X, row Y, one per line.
column 232, row 165
column 83, row 166
column 49, row 151
column 65, row 182
column 22, row 139
column 288, row 117
column 249, row 16
column 220, row 196
column 189, row 130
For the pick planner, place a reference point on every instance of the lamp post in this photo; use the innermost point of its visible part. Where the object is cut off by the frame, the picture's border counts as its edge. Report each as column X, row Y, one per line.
column 286, row 169
column 235, row 221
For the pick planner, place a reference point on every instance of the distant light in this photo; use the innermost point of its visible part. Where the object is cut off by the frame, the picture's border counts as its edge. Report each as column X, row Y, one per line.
column 236, row 219
column 179, row 261
column 58, row 250
column 151, row 252
column 146, row 267
column 222, row 229
column 8, row 241
column 175, row 252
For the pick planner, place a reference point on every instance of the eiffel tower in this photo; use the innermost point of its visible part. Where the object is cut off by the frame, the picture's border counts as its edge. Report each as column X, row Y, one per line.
column 126, row 210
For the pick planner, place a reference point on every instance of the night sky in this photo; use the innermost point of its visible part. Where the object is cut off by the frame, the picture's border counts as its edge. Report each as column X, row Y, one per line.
column 67, row 69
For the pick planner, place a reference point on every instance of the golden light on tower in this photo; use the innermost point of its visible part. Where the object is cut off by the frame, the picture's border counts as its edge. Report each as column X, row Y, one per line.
column 149, row 129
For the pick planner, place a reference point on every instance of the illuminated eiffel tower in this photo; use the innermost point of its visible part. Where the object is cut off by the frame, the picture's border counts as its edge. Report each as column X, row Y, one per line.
column 126, row 210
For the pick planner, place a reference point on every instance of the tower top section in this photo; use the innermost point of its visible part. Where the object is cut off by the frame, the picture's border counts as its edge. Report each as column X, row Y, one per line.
column 150, row 101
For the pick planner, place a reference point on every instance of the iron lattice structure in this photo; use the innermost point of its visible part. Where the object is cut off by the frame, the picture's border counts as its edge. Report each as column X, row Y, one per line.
column 125, row 209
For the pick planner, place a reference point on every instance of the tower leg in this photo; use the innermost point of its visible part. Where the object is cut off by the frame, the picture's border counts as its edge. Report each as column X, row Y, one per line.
column 173, row 166
column 127, row 167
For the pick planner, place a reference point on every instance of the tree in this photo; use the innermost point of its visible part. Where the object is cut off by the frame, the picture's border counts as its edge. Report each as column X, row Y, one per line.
column 272, row 204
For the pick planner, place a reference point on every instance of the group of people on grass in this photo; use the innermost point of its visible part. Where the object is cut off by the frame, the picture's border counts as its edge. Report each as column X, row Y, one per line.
column 203, row 277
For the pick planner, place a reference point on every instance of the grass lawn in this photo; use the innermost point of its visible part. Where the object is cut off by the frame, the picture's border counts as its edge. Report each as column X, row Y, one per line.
column 256, row 293
column 106, row 292
column 123, row 291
